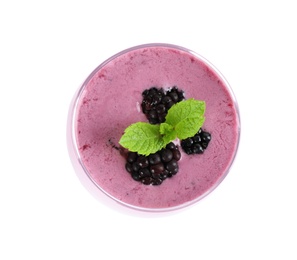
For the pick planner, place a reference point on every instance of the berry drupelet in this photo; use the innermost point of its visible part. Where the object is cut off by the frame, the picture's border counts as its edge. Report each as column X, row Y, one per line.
column 155, row 168
column 196, row 144
column 156, row 103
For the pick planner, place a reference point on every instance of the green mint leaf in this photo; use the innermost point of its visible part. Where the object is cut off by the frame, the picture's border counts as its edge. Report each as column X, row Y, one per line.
column 186, row 117
column 168, row 133
column 143, row 138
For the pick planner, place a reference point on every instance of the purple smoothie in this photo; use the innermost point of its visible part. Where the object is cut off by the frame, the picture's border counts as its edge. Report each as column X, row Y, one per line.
column 109, row 101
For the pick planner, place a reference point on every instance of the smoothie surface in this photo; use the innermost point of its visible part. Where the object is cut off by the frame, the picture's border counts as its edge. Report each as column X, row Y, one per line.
column 110, row 100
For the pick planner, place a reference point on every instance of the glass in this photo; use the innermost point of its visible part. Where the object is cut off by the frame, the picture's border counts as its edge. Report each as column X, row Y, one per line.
column 110, row 99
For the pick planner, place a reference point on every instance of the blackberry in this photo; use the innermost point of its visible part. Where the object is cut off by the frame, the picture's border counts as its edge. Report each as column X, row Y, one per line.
column 156, row 103
column 196, row 144
column 155, row 168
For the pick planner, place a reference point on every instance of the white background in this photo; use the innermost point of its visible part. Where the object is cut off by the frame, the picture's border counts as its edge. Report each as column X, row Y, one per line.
column 47, row 48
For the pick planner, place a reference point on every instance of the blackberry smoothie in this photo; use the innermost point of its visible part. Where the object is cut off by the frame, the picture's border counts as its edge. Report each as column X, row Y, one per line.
column 110, row 100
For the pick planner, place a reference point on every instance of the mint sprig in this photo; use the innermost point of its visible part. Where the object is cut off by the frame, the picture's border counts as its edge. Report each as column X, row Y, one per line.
column 183, row 120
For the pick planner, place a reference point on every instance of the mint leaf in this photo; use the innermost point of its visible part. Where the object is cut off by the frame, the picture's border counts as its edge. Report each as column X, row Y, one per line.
column 143, row 138
column 189, row 127
column 168, row 133
column 186, row 117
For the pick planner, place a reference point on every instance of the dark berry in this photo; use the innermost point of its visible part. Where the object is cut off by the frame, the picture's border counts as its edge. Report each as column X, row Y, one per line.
column 166, row 155
column 174, row 170
column 176, row 154
column 156, row 99
column 169, row 104
column 197, row 148
column 146, row 105
column 171, row 146
column 162, row 117
column 179, row 93
column 155, row 121
column 145, row 172
column 187, row 150
column 187, row 142
column 145, row 93
column 153, row 114
column 172, row 166
column 196, row 139
column 166, row 100
column 204, row 145
column 174, row 96
column 152, row 91
column 157, row 168
column 154, row 158
column 157, row 181
column 164, row 175
column 136, row 176
column 160, row 109
column 205, row 136
column 135, row 167
column 131, row 157
column 147, row 180
column 142, row 161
